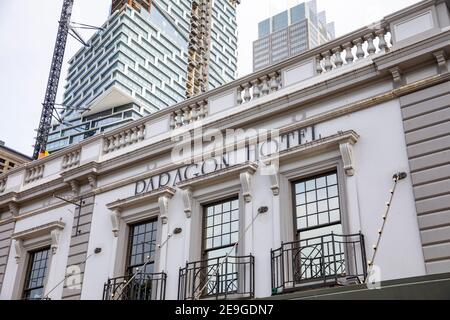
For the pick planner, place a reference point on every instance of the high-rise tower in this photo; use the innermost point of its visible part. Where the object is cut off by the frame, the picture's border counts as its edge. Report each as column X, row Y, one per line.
column 289, row 33
column 145, row 60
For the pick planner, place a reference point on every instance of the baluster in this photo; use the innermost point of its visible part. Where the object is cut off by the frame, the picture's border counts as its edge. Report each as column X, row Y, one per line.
column 273, row 81
column 382, row 44
column 172, row 121
column 194, row 113
column 179, row 120
column 128, row 137
column 256, row 91
column 388, row 41
column 204, row 105
column 265, row 86
column 110, row 144
column 116, row 142
column 105, row 145
column 141, row 132
column 319, row 68
column 239, row 96
column 348, row 52
column 247, row 95
column 134, row 135
column 359, row 49
column 186, row 115
column 200, row 111
column 337, row 57
column 122, row 139
column 371, row 49
column 327, row 61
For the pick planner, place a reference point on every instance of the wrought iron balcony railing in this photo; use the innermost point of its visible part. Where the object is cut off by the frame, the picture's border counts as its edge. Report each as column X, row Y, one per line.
column 322, row 261
column 144, row 286
column 218, row 278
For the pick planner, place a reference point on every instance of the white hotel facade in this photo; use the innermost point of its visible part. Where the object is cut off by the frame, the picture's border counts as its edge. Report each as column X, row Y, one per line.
column 346, row 116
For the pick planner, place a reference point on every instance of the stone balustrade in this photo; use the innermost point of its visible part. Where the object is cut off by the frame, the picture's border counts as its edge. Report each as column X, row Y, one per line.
column 362, row 46
column 188, row 114
column 70, row 160
column 3, row 184
column 259, row 87
column 124, row 138
column 34, row 173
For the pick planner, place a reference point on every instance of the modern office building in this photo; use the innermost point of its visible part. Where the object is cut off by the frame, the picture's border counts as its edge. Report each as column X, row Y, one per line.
column 10, row 158
column 348, row 158
column 289, row 33
column 147, row 57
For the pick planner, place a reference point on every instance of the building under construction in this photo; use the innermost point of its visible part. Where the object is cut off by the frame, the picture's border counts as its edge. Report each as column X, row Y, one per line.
column 135, row 4
column 149, row 55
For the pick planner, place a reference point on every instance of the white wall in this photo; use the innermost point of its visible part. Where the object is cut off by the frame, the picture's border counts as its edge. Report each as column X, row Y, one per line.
column 381, row 152
column 59, row 259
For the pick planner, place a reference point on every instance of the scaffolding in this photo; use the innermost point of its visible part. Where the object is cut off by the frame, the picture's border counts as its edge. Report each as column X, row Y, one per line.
column 199, row 47
column 135, row 4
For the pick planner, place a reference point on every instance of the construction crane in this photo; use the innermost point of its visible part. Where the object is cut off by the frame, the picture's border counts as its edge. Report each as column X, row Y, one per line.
column 40, row 148
column 66, row 28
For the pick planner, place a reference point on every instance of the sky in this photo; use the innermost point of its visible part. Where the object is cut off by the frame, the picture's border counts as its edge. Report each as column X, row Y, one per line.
column 28, row 31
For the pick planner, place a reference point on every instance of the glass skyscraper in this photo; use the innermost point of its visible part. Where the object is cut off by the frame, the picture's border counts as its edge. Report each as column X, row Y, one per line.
column 138, row 64
column 289, row 33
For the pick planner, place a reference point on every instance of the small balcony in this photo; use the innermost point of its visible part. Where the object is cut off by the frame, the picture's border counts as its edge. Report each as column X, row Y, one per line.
column 143, row 286
column 218, row 278
column 329, row 260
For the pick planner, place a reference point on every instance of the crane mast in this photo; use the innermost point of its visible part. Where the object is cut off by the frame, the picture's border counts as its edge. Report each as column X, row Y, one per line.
column 53, row 81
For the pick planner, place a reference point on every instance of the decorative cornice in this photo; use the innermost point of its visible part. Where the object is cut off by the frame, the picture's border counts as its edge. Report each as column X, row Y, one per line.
column 232, row 171
column 161, row 196
column 188, row 201
column 348, row 157
column 38, row 231
column 52, row 230
column 149, row 197
column 329, row 143
column 397, row 77
column 246, row 185
column 441, row 59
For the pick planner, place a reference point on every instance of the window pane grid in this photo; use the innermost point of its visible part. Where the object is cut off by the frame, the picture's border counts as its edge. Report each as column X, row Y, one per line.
column 142, row 245
column 317, row 201
column 221, row 231
column 221, row 225
column 34, row 285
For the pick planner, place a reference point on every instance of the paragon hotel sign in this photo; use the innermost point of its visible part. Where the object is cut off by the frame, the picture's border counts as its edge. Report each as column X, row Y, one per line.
column 248, row 152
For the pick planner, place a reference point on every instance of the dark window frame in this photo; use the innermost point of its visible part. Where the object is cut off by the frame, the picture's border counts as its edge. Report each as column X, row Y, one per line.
column 131, row 269
column 205, row 206
column 315, row 175
column 204, row 250
column 29, row 271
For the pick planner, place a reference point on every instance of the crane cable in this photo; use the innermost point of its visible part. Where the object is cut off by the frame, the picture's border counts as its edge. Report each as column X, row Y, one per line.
column 45, row 297
column 397, row 177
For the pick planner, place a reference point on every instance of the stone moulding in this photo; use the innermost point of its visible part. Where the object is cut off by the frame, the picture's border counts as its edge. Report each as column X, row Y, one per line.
column 160, row 196
column 50, row 230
